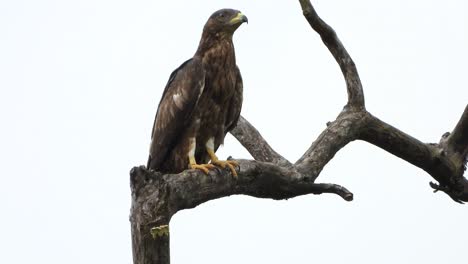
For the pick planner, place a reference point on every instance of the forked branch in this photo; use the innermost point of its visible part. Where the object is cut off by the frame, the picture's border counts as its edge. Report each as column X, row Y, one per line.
column 157, row 197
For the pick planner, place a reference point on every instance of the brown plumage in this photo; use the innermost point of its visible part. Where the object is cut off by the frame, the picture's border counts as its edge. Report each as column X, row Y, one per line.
column 201, row 102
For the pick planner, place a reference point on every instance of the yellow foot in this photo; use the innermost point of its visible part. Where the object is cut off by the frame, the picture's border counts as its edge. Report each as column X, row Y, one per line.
column 203, row 167
column 229, row 163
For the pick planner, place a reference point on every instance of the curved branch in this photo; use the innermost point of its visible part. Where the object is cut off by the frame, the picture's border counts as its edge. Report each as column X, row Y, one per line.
column 430, row 157
column 398, row 143
column 342, row 57
column 337, row 135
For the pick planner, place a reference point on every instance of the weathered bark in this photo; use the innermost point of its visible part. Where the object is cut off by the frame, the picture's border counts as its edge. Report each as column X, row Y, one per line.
column 445, row 167
column 157, row 197
column 149, row 209
column 251, row 139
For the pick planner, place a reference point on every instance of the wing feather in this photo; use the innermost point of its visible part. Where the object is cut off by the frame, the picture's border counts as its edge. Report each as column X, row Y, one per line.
column 235, row 106
column 178, row 101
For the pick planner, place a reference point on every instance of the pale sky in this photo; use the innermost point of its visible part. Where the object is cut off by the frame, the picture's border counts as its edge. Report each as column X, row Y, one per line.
column 80, row 82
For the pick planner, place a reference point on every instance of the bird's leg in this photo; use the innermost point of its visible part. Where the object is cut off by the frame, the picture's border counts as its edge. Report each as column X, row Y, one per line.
column 216, row 161
column 193, row 164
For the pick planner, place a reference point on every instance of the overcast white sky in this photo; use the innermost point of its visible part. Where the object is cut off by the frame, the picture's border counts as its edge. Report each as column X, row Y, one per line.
column 79, row 87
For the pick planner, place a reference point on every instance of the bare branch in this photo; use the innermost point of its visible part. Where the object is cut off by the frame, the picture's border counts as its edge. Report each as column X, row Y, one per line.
column 398, row 143
column 458, row 139
column 333, row 43
column 429, row 157
column 257, row 146
column 255, row 178
column 338, row 133
column 192, row 187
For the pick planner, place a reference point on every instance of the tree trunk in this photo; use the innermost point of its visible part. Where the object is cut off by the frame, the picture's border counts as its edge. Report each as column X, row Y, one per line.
column 147, row 215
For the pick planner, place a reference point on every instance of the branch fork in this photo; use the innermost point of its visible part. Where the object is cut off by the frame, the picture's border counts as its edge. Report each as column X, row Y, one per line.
column 157, row 197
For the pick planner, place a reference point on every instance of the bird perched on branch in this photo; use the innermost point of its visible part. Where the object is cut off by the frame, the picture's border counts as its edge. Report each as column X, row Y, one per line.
column 201, row 102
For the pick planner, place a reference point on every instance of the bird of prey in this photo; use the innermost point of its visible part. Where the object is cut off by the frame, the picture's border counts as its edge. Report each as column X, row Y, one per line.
column 201, row 102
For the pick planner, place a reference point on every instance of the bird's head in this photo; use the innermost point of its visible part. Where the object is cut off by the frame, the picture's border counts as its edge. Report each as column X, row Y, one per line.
column 224, row 22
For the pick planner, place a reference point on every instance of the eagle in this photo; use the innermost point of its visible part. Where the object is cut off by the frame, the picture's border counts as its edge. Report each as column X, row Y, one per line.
column 201, row 102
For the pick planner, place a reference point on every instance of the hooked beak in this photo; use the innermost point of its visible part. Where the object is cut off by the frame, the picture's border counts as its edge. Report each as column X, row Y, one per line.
column 239, row 19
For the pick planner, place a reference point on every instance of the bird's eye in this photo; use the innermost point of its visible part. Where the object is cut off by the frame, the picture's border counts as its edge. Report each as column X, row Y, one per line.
column 221, row 15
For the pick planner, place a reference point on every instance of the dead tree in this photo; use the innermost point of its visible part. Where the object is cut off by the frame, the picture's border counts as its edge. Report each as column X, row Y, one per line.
column 157, row 197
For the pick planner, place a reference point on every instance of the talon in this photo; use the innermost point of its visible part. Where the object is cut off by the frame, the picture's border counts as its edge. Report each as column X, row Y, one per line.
column 229, row 163
column 233, row 170
column 220, row 163
column 203, row 167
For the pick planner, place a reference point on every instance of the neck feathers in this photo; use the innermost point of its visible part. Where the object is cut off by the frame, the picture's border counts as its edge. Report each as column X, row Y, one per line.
column 214, row 45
